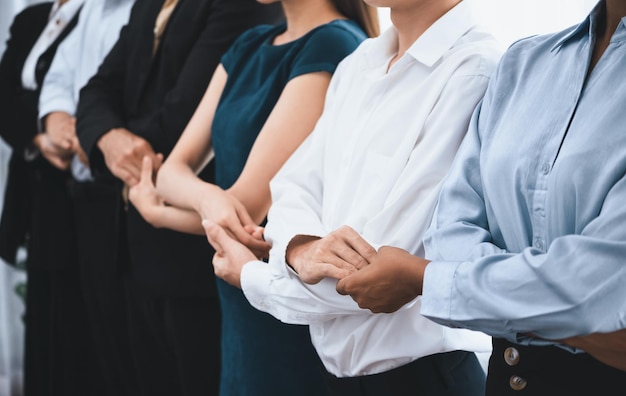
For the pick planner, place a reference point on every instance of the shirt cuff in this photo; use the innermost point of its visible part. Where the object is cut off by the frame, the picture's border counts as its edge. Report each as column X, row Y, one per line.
column 255, row 279
column 437, row 289
column 53, row 106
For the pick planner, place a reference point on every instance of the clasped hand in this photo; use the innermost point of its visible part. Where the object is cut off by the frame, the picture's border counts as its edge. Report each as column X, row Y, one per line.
column 59, row 143
column 124, row 152
column 225, row 210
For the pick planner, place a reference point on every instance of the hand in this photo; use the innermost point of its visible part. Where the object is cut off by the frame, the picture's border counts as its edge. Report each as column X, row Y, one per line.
column 82, row 156
column 609, row 348
column 393, row 278
column 230, row 255
column 59, row 158
column 255, row 231
column 123, row 153
column 337, row 255
column 143, row 195
column 220, row 207
column 61, row 128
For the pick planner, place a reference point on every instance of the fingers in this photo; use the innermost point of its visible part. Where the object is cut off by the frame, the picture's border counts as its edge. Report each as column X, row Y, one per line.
column 158, row 161
column 146, row 171
column 58, row 162
column 363, row 251
column 255, row 231
column 126, row 176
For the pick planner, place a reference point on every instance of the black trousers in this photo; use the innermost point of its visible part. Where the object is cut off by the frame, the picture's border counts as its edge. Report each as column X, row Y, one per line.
column 549, row 371
column 58, row 355
column 175, row 343
column 101, row 261
column 456, row 373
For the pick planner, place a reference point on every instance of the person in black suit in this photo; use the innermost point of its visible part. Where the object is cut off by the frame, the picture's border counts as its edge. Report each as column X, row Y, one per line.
column 37, row 212
column 138, row 104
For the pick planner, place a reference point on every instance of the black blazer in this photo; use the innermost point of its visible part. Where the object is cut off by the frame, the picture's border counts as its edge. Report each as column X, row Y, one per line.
column 36, row 206
column 154, row 97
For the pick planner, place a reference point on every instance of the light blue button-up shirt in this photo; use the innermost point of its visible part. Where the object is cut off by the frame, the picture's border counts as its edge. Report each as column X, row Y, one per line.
column 530, row 230
column 78, row 58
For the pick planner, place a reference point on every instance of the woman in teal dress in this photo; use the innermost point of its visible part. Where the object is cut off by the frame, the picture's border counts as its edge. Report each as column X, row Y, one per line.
column 263, row 101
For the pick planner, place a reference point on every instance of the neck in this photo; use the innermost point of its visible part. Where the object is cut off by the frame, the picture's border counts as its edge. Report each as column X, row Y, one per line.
column 615, row 11
column 413, row 20
column 304, row 15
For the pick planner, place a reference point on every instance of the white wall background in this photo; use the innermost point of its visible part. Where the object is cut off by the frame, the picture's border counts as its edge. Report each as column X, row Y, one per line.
column 508, row 20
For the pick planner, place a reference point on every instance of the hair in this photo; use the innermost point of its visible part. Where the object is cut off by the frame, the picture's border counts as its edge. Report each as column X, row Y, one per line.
column 363, row 14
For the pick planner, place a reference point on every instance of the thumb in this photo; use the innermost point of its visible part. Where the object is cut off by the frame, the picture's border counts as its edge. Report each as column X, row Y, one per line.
column 158, row 161
column 216, row 236
column 146, row 170
column 341, row 287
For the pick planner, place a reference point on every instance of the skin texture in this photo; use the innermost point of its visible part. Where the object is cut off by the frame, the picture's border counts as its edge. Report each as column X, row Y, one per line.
column 393, row 278
column 339, row 254
column 123, row 154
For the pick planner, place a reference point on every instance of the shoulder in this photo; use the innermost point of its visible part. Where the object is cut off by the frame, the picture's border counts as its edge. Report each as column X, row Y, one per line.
column 30, row 14
column 341, row 33
column 477, row 53
column 256, row 34
column 252, row 38
column 541, row 45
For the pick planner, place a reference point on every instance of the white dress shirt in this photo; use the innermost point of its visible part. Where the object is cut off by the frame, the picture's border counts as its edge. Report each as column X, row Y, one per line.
column 375, row 162
column 60, row 16
column 77, row 59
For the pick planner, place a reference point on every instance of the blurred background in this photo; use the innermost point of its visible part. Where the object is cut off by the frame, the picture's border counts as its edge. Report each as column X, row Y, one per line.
column 508, row 20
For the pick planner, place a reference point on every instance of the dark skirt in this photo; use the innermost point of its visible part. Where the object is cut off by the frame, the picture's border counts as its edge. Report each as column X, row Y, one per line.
column 263, row 356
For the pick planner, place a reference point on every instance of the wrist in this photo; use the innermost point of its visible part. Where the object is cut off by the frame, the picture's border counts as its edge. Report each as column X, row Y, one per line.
column 202, row 197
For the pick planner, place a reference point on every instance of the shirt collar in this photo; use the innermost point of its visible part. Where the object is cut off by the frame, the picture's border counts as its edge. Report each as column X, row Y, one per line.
column 588, row 26
column 443, row 34
column 432, row 44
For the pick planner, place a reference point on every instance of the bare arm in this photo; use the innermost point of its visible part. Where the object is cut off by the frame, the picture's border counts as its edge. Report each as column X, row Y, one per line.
column 153, row 209
column 290, row 122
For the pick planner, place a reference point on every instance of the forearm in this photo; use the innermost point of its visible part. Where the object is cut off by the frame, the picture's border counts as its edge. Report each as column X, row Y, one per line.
column 256, row 201
column 279, row 292
column 175, row 178
column 174, row 218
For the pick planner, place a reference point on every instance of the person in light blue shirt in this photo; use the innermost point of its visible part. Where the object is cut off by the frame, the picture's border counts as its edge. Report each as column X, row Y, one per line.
column 528, row 243
column 75, row 62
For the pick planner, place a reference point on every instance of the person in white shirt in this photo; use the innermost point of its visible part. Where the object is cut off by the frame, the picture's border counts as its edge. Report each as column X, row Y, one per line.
column 75, row 62
column 395, row 113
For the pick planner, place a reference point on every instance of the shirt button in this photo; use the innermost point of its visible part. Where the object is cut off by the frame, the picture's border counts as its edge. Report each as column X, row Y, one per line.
column 539, row 243
column 517, row 383
column 545, row 169
column 511, row 356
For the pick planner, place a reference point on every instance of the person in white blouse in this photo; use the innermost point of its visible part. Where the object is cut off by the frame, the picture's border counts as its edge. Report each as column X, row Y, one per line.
column 395, row 113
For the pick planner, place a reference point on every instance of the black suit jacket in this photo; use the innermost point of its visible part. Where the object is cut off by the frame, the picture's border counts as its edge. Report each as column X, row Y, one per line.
column 36, row 205
column 154, row 97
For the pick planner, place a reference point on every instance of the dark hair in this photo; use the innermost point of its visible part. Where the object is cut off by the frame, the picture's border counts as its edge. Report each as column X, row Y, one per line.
column 364, row 15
